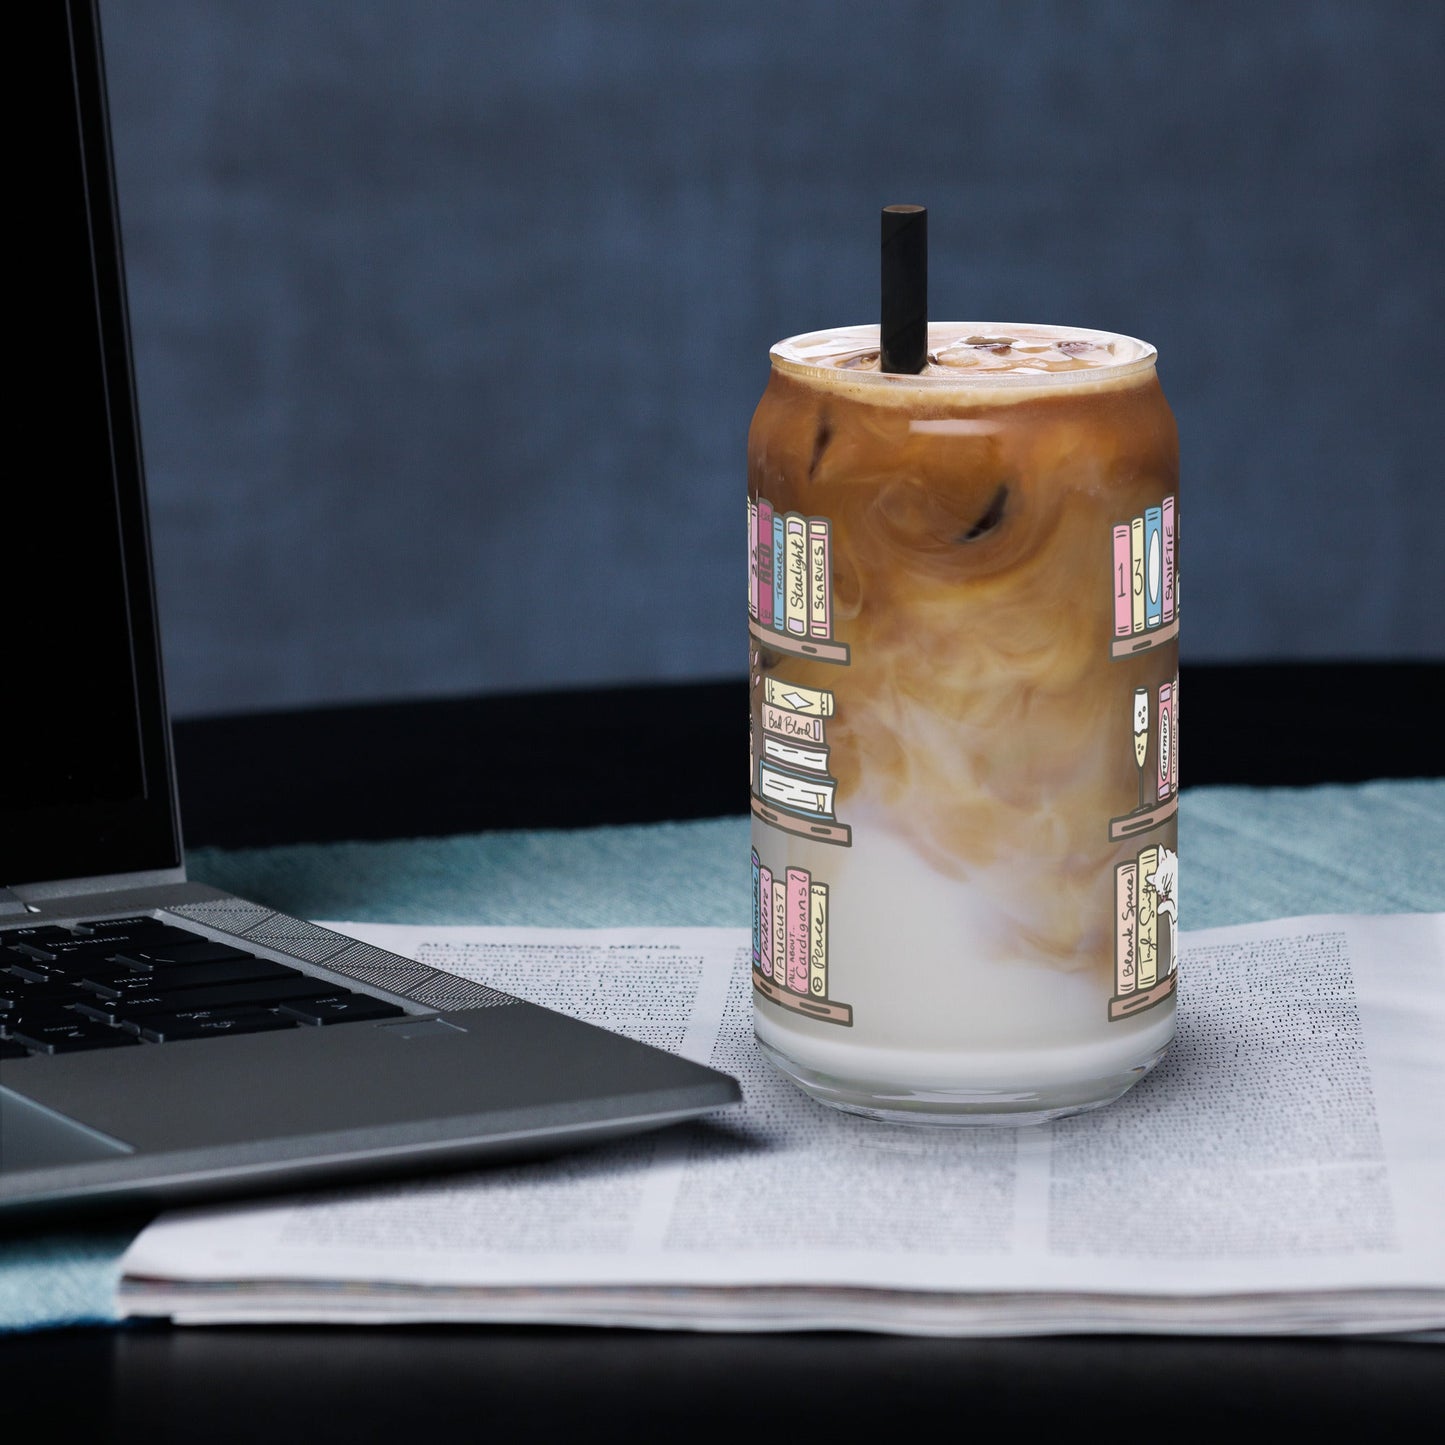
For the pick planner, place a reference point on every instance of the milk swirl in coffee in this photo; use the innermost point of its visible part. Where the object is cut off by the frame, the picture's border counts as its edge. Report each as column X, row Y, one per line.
column 963, row 604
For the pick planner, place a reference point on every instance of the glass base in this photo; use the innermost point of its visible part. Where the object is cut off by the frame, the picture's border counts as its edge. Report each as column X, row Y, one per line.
column 951, row 1108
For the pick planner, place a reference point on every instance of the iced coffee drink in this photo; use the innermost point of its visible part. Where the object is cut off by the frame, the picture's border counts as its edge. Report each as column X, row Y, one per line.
column 963, row 597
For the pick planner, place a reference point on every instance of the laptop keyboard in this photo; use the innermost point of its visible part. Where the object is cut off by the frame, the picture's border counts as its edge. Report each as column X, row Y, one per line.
column 124, row 982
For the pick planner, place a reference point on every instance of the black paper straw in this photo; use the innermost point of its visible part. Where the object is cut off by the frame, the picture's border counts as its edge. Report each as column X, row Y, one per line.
column 903, row 332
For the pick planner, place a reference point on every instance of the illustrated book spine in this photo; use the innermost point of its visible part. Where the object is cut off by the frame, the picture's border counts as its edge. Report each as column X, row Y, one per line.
column 780, row 569
column 1168, row 532
column 1136, row 573
column 1174, row 748
column 780, row 932
column 799, row 914
column 795, row 602
column 1148, row 936
column 1164, row 753
column 816, row 702
column 1126, row 921
column 801, row 794
column 820, row 620
column 752, row 559
column 1123, row 593
column 765, row 920
column 818, row 940
column 765, row 562
column 1153, row 568
column 757, row 911
column 795, row 726
column 790, row 755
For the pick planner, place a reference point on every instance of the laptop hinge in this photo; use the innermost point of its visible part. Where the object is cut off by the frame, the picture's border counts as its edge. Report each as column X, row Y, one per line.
column 12, row 904
column 27, row 893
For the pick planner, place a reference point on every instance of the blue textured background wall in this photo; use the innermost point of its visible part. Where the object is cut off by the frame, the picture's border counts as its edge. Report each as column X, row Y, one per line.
column 450, row 318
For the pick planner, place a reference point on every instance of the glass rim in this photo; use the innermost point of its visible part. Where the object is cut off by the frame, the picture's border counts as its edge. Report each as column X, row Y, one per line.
column 789, row 355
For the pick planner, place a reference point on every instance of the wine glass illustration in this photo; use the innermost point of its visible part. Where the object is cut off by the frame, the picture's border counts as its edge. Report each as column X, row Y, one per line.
column 1141, row 739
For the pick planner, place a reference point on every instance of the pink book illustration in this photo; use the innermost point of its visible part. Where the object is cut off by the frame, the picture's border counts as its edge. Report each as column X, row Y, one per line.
column 1126, row 912
column 765, row 560
column 752, row 559
column 820, row 621
column 1174, row 749
column 765, row 920
column 1169, row 532
column 1165, row 750
column 1123, row 595
column 780, row 932
column 798, row 917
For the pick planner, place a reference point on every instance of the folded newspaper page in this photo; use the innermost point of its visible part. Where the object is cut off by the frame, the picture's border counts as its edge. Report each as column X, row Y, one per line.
column 1283, row 1170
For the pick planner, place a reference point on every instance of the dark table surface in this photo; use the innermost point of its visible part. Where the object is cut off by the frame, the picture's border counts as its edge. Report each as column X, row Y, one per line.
column 413, row 769
column 460, row 765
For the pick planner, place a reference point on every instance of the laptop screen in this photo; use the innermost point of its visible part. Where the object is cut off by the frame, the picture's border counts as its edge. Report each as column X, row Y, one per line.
column 86, row 785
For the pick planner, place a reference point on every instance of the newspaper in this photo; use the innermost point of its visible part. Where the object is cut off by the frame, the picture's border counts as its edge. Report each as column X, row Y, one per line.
column 1283, row 1170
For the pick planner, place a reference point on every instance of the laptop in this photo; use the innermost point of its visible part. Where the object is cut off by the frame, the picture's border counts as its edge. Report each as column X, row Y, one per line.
column 160, row 1040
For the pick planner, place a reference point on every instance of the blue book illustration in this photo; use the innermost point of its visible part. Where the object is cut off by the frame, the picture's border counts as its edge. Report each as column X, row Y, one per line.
column 757, row 912
column 780, row 560
column 1153, row 567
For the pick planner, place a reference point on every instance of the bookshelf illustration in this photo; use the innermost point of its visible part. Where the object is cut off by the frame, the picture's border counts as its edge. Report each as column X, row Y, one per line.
column 1145, row 580
column 790, row 582
column 1159, row 783
column 1146, row 920
column 792, row 787
column 790, row 943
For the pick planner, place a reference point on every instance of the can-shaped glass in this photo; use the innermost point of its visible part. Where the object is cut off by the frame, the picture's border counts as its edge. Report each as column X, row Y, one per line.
column 963, row 600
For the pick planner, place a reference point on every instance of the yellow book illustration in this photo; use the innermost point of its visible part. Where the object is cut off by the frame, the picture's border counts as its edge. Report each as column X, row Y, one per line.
column 1136, row 569
column 795, row 592
column 818, row 940
column 780, row 931
column 814, row 701
column 1148, row 939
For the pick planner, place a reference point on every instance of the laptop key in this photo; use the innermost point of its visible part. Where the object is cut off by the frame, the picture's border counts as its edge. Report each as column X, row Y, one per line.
column 87, row 951
column 36, row 1013
column 200, row 950
column 186, row 976
column 340, row 1008
column 83, row 950
column 72, row 973
column 34, row 951
column 69, row 1038
column 37, row 942
column 264, row 993
column 210, row 1023
column 21, row 993
column 135, row 922
column 132, row 1007
column 116, row 938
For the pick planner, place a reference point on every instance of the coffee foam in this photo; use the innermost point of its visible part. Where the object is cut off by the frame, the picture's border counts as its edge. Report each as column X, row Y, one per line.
column 1001, row 361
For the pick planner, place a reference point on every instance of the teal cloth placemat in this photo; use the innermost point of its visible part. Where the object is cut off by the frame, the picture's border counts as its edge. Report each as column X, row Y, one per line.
column 1248, row 854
